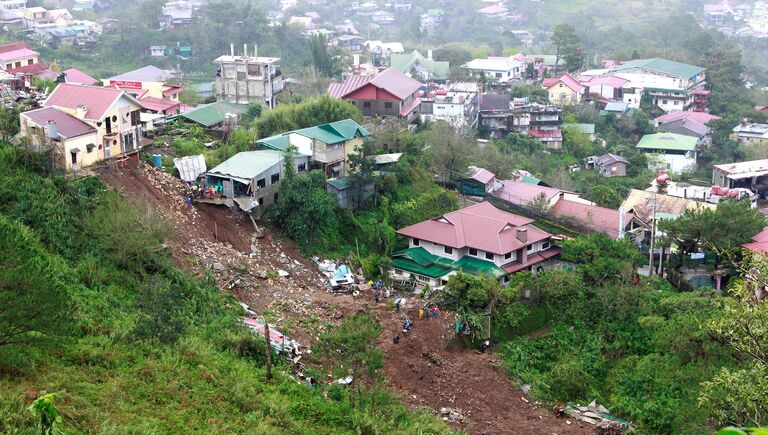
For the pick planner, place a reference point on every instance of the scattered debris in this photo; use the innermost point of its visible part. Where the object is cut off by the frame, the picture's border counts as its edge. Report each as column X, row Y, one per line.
column 599, row 416
column 453, row 415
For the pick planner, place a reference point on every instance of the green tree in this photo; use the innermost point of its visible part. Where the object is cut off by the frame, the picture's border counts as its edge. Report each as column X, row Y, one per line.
column 449, row 150
column 601, row 259
column 324, row 63
column 725, row 228
column 307, row 212
column 352, row 351
column 567, row 47
column 9, row 122
column 519, row 143
column 606, row 196
column 309, row 113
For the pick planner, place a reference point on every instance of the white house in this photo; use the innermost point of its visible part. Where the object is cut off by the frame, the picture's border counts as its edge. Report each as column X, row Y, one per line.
column 501, row 69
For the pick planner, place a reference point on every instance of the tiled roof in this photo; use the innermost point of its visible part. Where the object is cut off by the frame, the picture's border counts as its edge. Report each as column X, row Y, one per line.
column 664, row 66
column 79, row 77
column 599, row 219
column 96, row 99
column 567, row 80
column 67, row 126
column 481, row 226
column 667, row 141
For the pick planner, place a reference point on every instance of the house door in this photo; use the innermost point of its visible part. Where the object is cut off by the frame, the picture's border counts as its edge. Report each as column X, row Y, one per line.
column 108, row 125
column 107, row 153
column 74, row 158
column 228, row 189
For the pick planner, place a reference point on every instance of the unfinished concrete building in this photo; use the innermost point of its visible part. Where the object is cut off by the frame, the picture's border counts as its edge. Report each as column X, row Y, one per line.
column 248, row 79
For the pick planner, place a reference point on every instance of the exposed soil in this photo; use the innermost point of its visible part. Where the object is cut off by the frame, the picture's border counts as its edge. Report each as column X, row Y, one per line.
column 425, row 367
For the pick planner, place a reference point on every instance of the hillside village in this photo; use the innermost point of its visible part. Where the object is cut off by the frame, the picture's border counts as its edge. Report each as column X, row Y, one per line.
column 466, row 215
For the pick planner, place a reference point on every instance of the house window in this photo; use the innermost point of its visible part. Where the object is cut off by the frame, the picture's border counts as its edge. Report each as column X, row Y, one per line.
column 135, row 118
column 614, row 168
column 498, row 75
column 367, row 104
column 387, row 105
column 302, row 167
column 545, row 245
column 560, row 85
column 398, row 272
column 473, row 252
column 422, row 278
column 261, row 183
column 128, row 142
column 488, row 256
column 275, row 178
column 261, row 201
column 663, row 101
column 508, row 255
column 505, row 279
column 415, row 242
column 30, row 62
column 18, row 64
column 529, row 248
column 448, row 250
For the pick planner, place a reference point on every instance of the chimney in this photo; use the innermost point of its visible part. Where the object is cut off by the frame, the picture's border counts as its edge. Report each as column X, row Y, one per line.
column 80, row 111
column 232, row 50
column 744, row 122
column 356, row 59
column 245, row 50
column 429, row 54
column 522, row 235
column 255, row 50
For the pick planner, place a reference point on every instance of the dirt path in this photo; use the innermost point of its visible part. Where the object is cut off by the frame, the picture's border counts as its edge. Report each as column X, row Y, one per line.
column 218, row 243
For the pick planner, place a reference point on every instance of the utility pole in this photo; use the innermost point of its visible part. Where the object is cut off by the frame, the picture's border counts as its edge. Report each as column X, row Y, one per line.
column 653, row 236
column 268, row 350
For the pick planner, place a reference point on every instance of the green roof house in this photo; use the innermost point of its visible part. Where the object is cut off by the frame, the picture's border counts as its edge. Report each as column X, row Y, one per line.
column 213, row 115
column 328, row 145
column 425, row 68
column 673, row 86
column 250, row 178
column 672, row 152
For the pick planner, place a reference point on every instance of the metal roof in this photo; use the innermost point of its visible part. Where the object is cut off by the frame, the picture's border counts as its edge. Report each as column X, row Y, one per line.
column 247, row 165
column 664, row 66
column 405, row 62
column 212, row 114
column 668, row 141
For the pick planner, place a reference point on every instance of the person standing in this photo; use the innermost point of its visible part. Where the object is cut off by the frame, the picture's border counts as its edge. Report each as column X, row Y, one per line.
column 421, row 313
column 436, row 312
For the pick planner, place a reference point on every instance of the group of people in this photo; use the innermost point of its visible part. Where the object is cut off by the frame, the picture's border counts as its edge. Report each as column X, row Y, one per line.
column 424, row 313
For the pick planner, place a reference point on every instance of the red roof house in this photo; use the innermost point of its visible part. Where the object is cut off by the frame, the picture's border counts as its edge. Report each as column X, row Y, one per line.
column 388, row 93
column 96, row 100
column 759, row 242
column 564, row 89
column 78, row 77
column 480, row 236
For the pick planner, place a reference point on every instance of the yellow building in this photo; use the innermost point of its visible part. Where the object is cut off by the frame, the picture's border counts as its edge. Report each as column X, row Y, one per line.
column 564, row 90
column 149, row 81
column 84, row 125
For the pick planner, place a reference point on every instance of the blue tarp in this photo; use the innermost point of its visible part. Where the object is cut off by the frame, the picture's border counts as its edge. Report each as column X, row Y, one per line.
column 341, row 272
